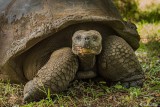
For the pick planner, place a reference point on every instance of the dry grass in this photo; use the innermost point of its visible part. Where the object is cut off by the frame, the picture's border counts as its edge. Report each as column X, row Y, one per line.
column 149, row 31
column 145, row 5
column 10, row 94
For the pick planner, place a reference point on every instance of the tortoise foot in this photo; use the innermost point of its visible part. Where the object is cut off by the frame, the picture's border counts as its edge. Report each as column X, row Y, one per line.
column 30, row 92
column 135, row 83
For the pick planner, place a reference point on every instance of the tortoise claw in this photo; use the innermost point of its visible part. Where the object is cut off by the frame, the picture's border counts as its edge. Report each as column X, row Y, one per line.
column 29, row 92
column 26, row 97
column 136, row 83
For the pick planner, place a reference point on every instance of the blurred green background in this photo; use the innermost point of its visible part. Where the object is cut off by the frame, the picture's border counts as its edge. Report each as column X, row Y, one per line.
column 139, row 10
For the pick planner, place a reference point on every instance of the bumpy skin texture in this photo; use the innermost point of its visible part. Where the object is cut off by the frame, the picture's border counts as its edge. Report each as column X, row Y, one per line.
column 86, row 44
column 118, row 62
column 55, row 75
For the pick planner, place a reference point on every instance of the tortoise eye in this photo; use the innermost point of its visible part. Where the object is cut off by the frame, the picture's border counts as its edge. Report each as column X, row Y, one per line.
column 132, row 27
column 78, row 37
column 95, row 38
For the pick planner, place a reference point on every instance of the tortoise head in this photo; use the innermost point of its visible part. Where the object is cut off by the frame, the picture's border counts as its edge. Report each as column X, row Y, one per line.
column 86, row 42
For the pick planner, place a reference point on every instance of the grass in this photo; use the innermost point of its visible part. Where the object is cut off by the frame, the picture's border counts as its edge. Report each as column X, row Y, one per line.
column 98, row 94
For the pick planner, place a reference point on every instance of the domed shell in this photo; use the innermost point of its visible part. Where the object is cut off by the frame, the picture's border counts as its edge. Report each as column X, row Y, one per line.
column 24, row 23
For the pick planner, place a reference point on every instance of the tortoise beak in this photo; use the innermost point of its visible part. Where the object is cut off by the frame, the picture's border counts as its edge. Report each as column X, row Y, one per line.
column 83, row 51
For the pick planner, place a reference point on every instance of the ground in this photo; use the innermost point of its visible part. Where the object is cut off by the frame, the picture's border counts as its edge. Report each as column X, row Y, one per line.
column 98, row 94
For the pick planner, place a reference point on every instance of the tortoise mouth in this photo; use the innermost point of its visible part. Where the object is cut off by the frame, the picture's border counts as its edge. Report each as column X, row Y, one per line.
column 79, row 50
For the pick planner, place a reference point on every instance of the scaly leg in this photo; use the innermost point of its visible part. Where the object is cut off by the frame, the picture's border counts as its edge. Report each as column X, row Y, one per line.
column 118, row 62
column 55, row 75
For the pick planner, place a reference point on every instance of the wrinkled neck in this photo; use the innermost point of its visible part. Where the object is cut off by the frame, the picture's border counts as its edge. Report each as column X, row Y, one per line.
column 87, row 62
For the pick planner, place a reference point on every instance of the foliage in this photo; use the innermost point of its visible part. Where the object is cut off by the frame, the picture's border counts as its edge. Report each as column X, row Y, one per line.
column 128, row 8
column 131, row 10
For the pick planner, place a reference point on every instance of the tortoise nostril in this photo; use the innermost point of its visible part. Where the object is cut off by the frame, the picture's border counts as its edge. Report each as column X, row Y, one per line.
column 86, row 38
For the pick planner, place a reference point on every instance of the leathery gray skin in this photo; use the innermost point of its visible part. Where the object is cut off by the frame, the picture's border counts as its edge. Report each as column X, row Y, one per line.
column 116, row 60
column 62, row 65
column 86, row 45
column 111, row 58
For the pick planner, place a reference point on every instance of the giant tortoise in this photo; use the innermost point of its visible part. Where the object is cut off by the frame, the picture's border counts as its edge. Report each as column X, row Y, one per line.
column 49, row 43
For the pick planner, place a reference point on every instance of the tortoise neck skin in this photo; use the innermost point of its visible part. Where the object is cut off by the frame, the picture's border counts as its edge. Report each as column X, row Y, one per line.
column 86, row 44
column 87, row 62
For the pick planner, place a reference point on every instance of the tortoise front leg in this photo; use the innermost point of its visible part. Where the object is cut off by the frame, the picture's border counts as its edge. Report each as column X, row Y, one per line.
column 118, row 62
column 55, row 75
